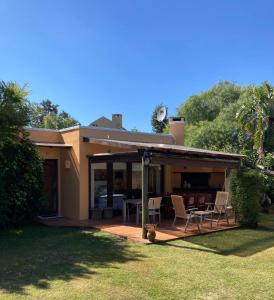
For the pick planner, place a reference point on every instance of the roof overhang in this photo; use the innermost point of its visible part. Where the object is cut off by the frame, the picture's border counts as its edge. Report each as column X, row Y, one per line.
column 55, row 145
column 166, row 154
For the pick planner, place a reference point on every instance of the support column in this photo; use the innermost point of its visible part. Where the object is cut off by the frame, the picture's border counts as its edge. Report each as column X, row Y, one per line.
column 145, row 166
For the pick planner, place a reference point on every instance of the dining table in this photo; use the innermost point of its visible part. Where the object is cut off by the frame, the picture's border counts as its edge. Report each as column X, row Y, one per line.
column 135, row 202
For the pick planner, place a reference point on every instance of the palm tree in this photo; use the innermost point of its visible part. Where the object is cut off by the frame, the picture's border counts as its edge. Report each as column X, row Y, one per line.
column 254, row 115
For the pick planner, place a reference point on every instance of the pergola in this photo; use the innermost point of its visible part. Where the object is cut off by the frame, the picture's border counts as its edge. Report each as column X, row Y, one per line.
column 164, row 154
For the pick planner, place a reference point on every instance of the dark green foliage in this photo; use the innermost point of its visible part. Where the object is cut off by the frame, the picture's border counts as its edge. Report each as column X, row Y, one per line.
column 247, row 191
column 46, row 115
column 157, row 126
column 21, row 183
column 20, row 166
column 14, row 110
column 206, row 106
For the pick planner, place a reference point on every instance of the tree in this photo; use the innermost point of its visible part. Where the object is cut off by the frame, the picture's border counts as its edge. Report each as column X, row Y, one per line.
column 65, row 120
column 207, row 105
column 254, row 115
column 21, row 183
column 46, row 115
column 14, row 110
column 41, row 110
column 157, row 126
column 20, row 166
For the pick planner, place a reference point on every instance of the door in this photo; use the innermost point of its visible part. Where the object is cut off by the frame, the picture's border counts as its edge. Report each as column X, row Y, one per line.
column 51, row 185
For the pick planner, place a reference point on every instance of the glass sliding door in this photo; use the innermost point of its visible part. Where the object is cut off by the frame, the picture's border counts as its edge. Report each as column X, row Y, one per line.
column 119, row 185
column 113, row 182
column 98, row 185
column 136, row 178
column 154, row 179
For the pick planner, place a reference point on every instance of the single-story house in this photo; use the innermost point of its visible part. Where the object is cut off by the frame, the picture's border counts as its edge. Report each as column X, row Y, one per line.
column 89, row 167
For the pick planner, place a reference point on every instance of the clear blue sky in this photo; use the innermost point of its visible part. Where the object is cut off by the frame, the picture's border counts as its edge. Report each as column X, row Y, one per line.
column 101, row 57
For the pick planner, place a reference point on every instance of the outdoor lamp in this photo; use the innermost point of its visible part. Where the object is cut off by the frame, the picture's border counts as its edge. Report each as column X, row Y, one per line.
column 146, row 158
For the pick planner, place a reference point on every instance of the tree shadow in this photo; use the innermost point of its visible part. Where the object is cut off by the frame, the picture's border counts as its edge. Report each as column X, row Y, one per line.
column 37, row 255
column 240, row 242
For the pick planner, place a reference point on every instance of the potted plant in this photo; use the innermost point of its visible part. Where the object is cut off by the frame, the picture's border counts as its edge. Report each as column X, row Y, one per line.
column 151, row 232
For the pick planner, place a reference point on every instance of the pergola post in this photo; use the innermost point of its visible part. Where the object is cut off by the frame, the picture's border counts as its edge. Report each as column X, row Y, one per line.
column 145, row 166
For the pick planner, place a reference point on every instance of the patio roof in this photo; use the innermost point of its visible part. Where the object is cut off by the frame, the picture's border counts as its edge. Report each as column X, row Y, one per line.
column 166, row 154
column 163, row 147
column 53, row 145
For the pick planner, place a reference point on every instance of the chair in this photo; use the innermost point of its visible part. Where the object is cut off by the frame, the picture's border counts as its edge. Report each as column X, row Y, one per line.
column 181, row 212
column 154, row 208
column 154, row 205
column 191, row 202
column 220, row 207
column 201, row 201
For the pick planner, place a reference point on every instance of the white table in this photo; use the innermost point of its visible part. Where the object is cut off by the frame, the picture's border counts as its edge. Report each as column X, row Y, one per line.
column 137, row 203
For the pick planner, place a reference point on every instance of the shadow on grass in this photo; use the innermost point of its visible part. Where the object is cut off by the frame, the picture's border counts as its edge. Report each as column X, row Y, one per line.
column 37, row 255
column 240, row 242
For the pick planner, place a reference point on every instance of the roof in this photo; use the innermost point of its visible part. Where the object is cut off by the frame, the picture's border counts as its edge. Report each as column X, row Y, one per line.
column 52, row 145
column 105, row 123
column 166, row 148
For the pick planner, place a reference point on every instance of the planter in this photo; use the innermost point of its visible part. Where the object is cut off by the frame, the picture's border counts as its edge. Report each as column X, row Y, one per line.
column 96, row 214
column 108, row 213
column 151, row 232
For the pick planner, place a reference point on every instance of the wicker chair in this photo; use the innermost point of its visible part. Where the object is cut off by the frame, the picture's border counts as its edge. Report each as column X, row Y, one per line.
column 181, row 212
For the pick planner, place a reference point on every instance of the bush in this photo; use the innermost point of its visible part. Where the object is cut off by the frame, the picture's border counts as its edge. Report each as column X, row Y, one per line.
column 247, row 190
column 21, row 183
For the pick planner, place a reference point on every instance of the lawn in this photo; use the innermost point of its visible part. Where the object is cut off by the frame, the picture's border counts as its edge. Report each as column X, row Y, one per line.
column 47, row 263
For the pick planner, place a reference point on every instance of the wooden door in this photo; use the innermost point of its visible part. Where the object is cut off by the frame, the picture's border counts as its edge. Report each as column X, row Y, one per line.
column 51, row 185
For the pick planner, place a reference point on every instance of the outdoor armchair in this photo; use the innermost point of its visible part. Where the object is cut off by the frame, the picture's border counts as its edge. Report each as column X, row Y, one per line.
column 220, row 207
column 154, row 208
column 181, row 212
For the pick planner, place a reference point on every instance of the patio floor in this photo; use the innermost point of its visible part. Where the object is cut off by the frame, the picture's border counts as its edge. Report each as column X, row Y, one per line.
column 131, row 231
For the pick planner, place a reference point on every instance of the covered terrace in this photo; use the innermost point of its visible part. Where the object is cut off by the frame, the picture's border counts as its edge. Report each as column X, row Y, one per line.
column 147, row 155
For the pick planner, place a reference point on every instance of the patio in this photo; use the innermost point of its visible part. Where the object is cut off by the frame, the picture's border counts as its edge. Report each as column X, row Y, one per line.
column 131, row 231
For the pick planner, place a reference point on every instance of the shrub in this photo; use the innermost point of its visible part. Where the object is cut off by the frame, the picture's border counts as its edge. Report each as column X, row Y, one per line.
column 21, row 184
column 247, row 190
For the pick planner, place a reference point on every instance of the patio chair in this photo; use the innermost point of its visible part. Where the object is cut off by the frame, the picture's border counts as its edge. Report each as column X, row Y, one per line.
column 191, row 202
column 220, row 207
column 154, row 208
column 201, row 202
column 181, row 212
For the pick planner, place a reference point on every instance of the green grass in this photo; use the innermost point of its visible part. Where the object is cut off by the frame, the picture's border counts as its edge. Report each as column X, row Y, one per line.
column 46, row 263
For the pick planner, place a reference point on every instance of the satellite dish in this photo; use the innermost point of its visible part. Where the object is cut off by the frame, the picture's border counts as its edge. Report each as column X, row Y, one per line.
column 161, row 114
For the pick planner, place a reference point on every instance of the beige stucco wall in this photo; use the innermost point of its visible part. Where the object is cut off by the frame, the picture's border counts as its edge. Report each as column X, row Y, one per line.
column 44, row 135
column 71, row 176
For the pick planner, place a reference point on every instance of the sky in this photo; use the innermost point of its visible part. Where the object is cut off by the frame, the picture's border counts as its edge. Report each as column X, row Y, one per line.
column 96, row 58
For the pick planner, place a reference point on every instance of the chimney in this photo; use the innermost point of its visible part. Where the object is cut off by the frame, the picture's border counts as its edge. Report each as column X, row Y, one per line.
column 117, row 120
column 176, row 128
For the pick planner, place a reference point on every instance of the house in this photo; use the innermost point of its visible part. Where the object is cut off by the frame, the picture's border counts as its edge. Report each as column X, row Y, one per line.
column 89, row 167
column 115, row 123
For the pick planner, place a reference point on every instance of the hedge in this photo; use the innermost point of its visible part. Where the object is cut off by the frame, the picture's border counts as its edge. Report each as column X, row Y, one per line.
column 247, row 189
column 21, row 183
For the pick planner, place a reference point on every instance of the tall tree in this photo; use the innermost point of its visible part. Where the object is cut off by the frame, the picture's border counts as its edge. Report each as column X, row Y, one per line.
column 41, row 110
column 254, row 115
column 207, row 105
column 20, row 166
column 14, row 110
column 46, row 115
column 157, row 126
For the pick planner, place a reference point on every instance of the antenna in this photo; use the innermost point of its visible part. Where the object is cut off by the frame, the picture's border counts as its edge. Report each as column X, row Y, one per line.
column 161, row 114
